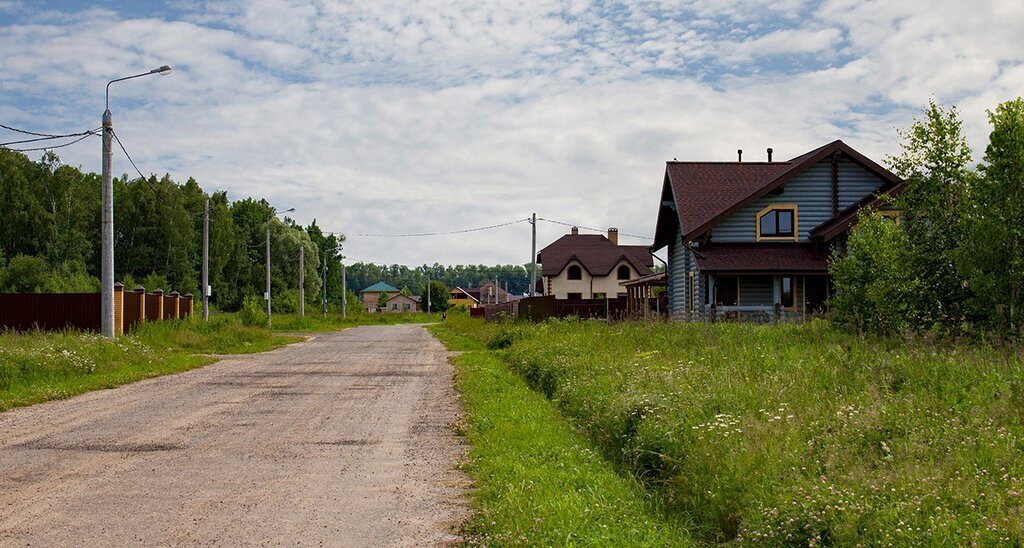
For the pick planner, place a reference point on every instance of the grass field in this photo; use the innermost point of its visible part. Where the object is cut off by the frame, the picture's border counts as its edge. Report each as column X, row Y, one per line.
column 36, row 367
column 538, row 481
column 790, row 434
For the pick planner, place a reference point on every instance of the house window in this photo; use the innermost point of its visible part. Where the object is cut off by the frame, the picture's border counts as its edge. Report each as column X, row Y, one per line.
column 575, row 296
column 727, row 290
column 623, row 272
column 777, row 222
column 575, row 273
column 406, row 306
column 394, row 306
column 786, row 292
column 891, row 215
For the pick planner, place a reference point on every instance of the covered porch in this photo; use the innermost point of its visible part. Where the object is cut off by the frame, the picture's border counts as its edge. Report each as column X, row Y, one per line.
column 642, row 299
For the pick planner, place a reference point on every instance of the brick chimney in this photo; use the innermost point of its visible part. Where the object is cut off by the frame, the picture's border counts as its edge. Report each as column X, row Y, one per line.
column 613, row 235
column 575, row 231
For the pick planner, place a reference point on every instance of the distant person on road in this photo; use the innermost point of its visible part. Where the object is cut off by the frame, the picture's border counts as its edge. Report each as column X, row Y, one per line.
column 444, row 315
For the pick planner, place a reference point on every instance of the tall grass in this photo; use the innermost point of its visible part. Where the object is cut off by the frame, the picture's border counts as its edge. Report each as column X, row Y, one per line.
column 41, row 366
column 793, row 434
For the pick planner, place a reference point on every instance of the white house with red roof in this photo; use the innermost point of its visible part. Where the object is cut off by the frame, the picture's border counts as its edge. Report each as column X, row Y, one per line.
column 591, row 266
column 747, row 236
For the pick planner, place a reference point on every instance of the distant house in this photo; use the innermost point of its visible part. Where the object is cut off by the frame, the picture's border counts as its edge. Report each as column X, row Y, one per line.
column 745, row 236
column 591, row 266
column 490, row 293
column 461, row 297
column 371, row 295
column 402, row 303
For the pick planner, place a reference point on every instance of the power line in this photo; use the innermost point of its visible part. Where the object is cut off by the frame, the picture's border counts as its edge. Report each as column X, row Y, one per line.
column 419, row 234
column 49, row 137
column 82, row 138
column 592, row 229
column 27, row 132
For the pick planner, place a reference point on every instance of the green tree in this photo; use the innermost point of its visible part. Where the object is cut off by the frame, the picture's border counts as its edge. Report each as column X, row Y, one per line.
column 992, row 257
column 438, row 297
column 382, row 300
column 935, row 162
column 25, row 274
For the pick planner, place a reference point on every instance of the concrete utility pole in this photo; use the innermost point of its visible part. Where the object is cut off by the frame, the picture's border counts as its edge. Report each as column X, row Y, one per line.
column 206, row 262
column 323, row 286
column 107, row 217
column 266, row 294
column 428, row 294
column 344, row 292
column 533, row 257
column 302, row 281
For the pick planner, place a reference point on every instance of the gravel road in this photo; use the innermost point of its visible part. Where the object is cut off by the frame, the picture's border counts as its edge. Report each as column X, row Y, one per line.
column 343, row 439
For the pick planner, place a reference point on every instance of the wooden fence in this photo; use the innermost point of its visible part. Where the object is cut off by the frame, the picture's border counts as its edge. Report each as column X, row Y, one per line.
column 538, row 309
column 53, row 311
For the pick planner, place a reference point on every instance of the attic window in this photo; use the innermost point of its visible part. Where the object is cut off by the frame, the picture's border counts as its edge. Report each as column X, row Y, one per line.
column 623, row 272
column 575, row 273
column 777, row 222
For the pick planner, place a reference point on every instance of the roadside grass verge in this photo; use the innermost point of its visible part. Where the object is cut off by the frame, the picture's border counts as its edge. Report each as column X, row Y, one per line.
column 314, row 321
column 786, row 435
column 39, row 366
column 538, row 481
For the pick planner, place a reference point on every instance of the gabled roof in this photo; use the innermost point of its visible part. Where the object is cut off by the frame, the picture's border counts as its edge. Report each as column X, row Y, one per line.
column 414, row 298
column 704, row 193
column 597, row 254
column 466, row 293
column 381, row 287
column 761, row 257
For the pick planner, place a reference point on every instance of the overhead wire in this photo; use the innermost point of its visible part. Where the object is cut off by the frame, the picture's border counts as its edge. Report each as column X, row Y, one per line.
column 592, row 229
column 420, row 234
column 27, row 132
column 82, row 138
column 50, row 137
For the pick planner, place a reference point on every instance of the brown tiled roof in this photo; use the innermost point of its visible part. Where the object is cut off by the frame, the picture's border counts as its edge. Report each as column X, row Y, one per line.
column 597, row 254
column 706, row 192
column 761, row 258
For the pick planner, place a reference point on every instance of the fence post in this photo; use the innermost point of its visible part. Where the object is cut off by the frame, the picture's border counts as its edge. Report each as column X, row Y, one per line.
column 175, row 301
column 140, row 294
column 778, row 311
column 118, row 309
column 158, row 298
column 714, row 313
column 187, row 306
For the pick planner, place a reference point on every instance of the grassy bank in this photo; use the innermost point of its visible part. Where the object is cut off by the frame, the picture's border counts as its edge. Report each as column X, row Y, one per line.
column 791, row 434
column 36, row 367
column 538, row 481
column 314, row 320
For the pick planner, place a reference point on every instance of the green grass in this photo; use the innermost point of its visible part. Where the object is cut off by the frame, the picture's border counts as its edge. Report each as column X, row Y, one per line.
column 791, row 434
column 314, row 320
column 36, row 367
column 538, row 481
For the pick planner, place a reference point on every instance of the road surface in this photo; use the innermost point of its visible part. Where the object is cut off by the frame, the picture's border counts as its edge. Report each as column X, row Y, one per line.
column 344, row 439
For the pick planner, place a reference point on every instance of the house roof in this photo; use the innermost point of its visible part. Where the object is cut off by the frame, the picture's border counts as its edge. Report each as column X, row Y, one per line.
column 381, row 287
column 761, row 257
column 704, row 193
column 597, row 254
column 413, row 298
column 466, row 293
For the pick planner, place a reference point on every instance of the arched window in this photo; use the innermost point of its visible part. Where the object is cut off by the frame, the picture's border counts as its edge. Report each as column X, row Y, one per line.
column 575, row 272
column 623, row 272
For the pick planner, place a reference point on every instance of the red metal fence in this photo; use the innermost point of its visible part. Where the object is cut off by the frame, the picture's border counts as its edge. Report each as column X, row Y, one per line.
column 53, row 311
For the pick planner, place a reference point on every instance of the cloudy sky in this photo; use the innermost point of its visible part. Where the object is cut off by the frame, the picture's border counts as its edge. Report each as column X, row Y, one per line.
column 424, row 115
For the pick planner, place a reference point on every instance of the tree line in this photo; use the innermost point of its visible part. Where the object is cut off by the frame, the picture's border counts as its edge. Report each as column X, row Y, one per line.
column 362, row 275
column 50, row 237
column 954, row 261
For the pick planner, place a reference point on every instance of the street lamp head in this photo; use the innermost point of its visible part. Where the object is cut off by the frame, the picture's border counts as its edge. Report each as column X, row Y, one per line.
column 288, row 210
column 163, row 71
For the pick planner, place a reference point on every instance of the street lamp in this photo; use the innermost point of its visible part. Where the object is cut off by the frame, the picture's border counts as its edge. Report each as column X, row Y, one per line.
column 107, row 226
column 270, row 323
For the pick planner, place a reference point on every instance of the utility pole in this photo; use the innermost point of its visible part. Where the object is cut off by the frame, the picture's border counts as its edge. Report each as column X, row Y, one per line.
column 107, row 215
column 533, row 258
column 323, row 286
column 428, row 294
column 107, row 232
column 344, row 292
column 206, row 261
column 302, row 281
column 266, row 295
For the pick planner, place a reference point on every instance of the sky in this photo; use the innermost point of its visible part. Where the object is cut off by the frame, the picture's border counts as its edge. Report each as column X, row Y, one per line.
column 418, row 116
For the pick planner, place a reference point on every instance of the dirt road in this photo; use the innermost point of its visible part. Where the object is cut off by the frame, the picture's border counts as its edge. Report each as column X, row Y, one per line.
column 341, row 440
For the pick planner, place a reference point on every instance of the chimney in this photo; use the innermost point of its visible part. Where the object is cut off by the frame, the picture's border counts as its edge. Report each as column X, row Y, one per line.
column 739, row 155
column 575, row 231
column 770, row 154
column 613, row 235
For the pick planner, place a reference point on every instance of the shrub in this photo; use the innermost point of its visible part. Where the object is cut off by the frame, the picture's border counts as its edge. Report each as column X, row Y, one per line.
column 252, row 313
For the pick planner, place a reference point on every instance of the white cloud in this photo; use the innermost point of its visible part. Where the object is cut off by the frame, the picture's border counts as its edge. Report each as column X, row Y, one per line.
column 433, row 115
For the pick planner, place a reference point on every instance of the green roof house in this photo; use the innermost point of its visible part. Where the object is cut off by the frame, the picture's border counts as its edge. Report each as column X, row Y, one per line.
column 371, row 295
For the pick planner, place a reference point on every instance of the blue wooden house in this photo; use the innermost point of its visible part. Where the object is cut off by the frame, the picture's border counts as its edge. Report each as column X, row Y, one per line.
column 755, row 237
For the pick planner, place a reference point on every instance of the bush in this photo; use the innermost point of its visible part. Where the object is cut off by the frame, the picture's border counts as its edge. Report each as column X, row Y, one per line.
column 286, row 302
column 252, row 313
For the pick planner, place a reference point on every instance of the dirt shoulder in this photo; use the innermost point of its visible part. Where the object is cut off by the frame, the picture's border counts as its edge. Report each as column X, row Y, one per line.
column 343, row 440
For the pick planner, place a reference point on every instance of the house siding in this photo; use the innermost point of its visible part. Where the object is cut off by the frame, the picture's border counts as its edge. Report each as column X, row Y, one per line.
column 811, row 191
